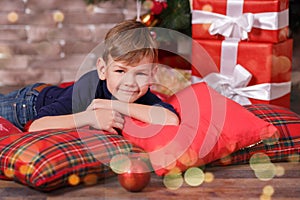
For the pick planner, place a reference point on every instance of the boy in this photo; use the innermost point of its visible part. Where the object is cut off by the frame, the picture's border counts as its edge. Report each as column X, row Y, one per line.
column 100, row 98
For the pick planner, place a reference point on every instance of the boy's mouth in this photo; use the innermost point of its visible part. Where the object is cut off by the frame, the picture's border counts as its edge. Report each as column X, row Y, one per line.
column 128, row 91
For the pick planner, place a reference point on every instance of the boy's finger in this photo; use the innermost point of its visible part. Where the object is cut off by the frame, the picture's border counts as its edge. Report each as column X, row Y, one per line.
column 119, row 120
column 113, row 131
column 118, row 125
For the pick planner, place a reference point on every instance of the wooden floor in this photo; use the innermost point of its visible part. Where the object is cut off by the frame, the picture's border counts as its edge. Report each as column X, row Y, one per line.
column 230, row 182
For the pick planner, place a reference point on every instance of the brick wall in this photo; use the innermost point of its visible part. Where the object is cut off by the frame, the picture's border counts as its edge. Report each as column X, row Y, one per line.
column 36, row 48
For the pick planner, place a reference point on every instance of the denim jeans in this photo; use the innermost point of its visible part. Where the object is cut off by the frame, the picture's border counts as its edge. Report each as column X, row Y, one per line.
column 19, row 106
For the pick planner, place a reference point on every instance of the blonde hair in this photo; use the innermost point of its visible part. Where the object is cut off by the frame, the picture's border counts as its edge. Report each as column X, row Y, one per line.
column 130, row 41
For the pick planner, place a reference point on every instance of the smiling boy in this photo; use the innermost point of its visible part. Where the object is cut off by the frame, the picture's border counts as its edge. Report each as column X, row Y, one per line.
column 100, row 98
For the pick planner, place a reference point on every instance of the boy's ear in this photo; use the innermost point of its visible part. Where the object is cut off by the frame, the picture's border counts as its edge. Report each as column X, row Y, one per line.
column 101, row 68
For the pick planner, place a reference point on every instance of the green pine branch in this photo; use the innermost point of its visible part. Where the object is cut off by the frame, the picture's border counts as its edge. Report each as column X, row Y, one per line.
column 177, row 16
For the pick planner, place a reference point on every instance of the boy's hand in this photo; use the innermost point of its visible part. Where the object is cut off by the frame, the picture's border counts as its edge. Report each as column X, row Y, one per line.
column 100, row 104
column 106, row 119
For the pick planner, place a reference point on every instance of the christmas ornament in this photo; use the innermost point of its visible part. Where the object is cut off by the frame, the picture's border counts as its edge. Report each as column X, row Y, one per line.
column 137, row 177
column 170, row 14
column 158, row 7
column 149, row 20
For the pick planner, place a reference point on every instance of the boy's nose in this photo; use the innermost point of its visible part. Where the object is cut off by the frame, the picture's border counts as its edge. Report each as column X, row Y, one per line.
column 129, row 79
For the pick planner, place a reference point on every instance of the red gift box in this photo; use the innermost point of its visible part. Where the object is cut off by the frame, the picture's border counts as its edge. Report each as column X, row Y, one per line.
column 266, row 20
column 268, row 64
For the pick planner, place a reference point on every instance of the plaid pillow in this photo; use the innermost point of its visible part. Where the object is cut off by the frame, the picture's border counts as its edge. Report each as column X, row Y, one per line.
column 51, row 159
column 285, row 149
column 286, row 121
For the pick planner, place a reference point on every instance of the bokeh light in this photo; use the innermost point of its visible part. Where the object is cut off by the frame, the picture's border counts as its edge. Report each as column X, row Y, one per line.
column 175, row 170
column 209, row 177
column 294, row 158
column 9, row 172
column 58, row 16
column 263, row 168
column 73, row 179
column 207, row 7
column 226, row 160
column 264, row 197
column 173, row 181
column 120, row 163
column 26, row 169
column 194, row 176
column 148, row 5
column 258, row 160
column 268, row 190
column 280, row 171
column 90, row 179
column 188, row 158
column 12, row 17
column 265, row 172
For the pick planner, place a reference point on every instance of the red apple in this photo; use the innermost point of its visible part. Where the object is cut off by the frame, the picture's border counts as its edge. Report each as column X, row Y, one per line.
column 137, row 177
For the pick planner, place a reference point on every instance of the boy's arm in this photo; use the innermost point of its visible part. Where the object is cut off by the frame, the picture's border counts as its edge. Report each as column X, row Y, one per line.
column 145, row 113
column 112, row 121
column 53, row 122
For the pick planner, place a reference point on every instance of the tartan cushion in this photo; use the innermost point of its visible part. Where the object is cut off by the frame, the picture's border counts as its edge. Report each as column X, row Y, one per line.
column 287, row 145
column 283, row 150
column 50, row 159
column 286, row 121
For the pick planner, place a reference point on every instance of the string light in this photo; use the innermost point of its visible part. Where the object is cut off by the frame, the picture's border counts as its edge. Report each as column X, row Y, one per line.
column 12, row 17
column 26, row 10
column 58, row 17
column 61, row 44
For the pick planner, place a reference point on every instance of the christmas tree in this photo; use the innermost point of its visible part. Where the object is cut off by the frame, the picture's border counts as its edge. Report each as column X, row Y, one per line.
column 176, row 15
column 171, row 14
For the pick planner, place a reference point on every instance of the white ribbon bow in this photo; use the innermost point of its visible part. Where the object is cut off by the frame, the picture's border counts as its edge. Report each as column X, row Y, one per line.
column 235, row 86
column 233, row 27
column 238, row 27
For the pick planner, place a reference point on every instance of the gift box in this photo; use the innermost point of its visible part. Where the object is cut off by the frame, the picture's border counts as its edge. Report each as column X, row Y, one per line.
column 252, row 20
column 247, row 72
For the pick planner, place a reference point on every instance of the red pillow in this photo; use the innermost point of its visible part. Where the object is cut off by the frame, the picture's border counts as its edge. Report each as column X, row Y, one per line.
column 212, row 126
column 7, row 127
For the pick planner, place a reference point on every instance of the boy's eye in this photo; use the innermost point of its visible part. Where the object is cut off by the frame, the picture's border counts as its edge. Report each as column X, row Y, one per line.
column 119, row 71
column 142, row 74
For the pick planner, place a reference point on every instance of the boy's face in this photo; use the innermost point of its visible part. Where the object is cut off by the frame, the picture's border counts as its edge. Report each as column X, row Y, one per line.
column 126, row 83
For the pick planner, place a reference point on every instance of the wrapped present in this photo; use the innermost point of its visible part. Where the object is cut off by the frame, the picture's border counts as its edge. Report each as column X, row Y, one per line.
column 247, row 72
column 252, row 20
